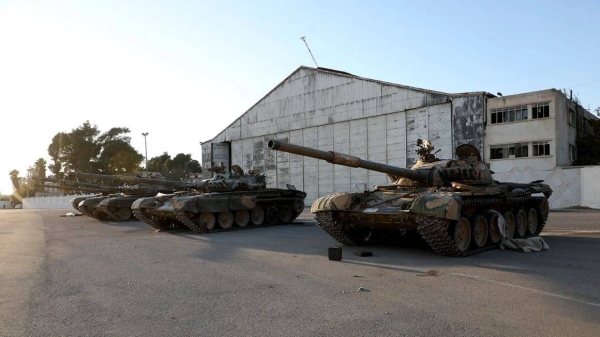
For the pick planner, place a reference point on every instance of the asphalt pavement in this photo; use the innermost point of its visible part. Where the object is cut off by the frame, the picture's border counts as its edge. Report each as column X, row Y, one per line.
column 77, row 276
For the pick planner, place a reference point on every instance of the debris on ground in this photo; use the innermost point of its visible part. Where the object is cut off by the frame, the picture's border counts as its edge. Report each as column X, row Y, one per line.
column 70, row 215
column 358, row 275
column 533, row 244
column 335, row 253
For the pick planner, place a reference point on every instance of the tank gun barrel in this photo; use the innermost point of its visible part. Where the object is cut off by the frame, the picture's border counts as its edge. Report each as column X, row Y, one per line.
column 72, row 183
column 132, row 179
column 348, row 160
column 74, row 188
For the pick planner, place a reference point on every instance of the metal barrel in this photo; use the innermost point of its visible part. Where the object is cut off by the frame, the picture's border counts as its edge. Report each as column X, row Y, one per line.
column 348, row 160
column 71, row 183
column 73, row 188
column 132, row 179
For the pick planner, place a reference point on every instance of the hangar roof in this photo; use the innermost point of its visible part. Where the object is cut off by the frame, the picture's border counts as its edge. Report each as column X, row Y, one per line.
column 345, row 74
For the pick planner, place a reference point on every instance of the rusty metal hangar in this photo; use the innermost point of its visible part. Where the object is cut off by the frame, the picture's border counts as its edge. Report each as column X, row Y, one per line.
column 336, row 111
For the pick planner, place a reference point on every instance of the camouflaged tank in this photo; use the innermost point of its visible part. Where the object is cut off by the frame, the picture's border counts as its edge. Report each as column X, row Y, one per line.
column 118, row 206
column 158, row 212
column 237, row 200
column 453, row 204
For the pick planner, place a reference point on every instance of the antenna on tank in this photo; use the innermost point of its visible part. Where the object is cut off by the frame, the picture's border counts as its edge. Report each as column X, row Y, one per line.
column 311, row 54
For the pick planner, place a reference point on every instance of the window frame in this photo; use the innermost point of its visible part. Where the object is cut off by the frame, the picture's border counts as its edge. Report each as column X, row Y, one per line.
column 505, row 150
column 535, row 148
column 509, row 114
column 535, row 110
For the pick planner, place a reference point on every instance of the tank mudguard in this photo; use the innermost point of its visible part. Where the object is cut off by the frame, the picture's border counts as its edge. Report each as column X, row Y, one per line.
column 215, row 204
column 439, row 205
column 338, row 201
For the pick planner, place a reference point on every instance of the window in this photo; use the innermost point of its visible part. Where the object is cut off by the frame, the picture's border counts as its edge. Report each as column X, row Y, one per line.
column 541, row 110
column 573, row 151
column 571, row 117
column 506, row 115
column 541, row 149
column 516, row 150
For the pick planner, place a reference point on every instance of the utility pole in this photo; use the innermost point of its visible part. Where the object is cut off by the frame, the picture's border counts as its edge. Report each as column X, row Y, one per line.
column 146, row 150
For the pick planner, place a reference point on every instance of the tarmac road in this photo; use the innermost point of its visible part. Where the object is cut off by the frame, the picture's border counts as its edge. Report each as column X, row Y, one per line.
column 78, row 276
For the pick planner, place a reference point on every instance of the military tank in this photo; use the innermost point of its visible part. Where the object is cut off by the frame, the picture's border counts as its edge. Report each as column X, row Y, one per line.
column 118, row 206
column 77, row 186
column 158, row 211
column 455, row 205
column 237, row 200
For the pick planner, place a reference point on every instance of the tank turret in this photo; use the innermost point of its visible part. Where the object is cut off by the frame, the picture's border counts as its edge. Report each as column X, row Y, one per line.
column 454, row 204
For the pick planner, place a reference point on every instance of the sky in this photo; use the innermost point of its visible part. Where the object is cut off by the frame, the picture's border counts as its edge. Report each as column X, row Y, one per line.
column 184, row 70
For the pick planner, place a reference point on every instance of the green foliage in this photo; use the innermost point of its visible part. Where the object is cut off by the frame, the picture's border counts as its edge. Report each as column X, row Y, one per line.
column 85, row 149
column 160, row 164
column 117, row 155
column 175, row 168
column 40, row 167
column 14, row 178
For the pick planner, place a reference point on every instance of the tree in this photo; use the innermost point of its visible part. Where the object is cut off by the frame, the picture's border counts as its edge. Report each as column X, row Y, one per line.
column 160, row 164
column 117, row 155
column 14, row 178
column 54, row 150
column 40, row 167
column 85, row 149
column 176, row 168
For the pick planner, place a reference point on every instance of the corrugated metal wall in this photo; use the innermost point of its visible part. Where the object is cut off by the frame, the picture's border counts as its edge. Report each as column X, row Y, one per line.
column 382, row 139
column 371, row 120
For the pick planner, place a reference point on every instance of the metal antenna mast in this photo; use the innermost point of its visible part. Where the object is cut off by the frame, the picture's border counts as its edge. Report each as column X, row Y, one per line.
column 311, row 54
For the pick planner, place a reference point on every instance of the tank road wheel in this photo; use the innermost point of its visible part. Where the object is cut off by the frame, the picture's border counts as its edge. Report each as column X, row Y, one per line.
column 494, row 230
column 509, row 224
column 124, row 213
column 532, row 221
column 521, row 223
column 462, row 234
column 258, row 216
column 225, row 220
column 242, row 218
column 207, row 220
column 480, row 231
column 272, row 215
column 285, row 214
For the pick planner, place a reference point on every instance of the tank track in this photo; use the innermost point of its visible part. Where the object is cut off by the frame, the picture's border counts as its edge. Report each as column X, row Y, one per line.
column 326, row 222
column 94, row 214
column 139, row 214
column 75, row 206
column 83, row 210
column 181, row 216
column 112, row 215
column 435, row 230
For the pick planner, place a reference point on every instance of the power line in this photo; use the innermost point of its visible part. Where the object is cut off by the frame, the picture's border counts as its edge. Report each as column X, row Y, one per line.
column 578, row 85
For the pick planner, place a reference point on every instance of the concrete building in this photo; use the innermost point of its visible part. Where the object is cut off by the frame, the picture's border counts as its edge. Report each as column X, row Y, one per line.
column 533, row 136
column 536, row 130
column 332, row 110
column 524, row 137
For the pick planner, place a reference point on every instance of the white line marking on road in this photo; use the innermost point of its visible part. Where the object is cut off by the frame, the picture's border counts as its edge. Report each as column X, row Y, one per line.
column 529, row 289
column 567, row 232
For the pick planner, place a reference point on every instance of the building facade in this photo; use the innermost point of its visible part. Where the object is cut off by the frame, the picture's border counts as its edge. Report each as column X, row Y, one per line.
column 379, row 121
column 536, row 130
column 336, row 111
